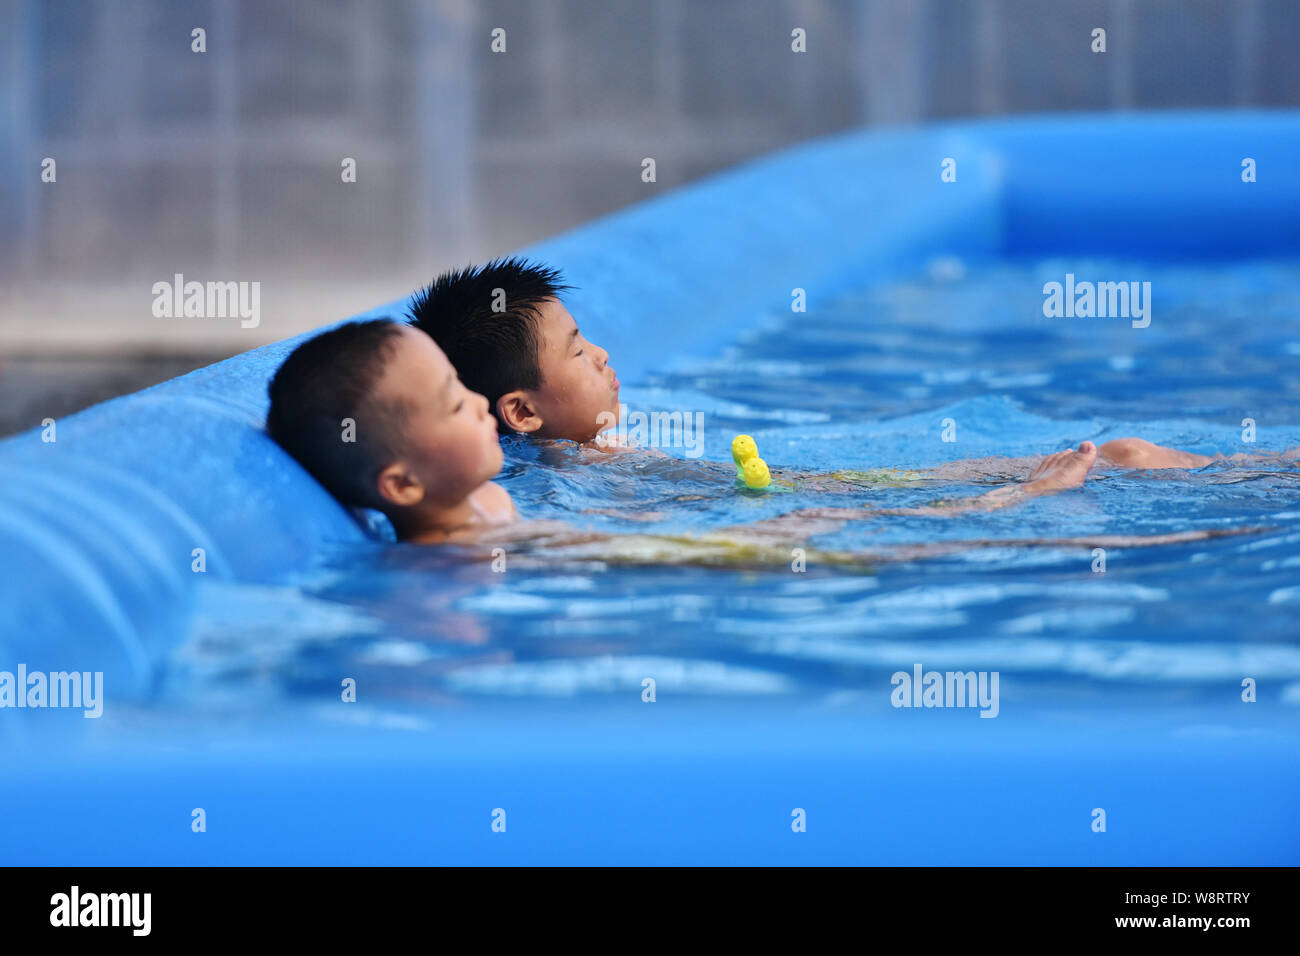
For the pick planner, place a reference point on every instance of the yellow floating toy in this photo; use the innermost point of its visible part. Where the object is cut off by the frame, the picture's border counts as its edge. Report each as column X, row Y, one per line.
column 750, row 469
column 743, row 448
column 755, row 473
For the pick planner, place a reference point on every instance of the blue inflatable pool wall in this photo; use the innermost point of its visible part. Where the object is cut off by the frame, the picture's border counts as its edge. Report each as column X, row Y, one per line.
column 99, row 528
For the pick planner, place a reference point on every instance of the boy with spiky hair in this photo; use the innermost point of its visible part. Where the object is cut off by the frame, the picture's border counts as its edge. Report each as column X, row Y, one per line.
column 511, row 339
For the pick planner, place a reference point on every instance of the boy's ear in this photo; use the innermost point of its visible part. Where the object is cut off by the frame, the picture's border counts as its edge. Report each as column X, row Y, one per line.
column 398, row 486
column 518, row 413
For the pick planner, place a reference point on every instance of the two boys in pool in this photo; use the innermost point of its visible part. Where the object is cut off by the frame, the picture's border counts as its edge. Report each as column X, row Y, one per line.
column 493, row 348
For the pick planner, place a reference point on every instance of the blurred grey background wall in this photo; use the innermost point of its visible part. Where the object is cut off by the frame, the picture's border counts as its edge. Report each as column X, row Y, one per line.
column 225, row 164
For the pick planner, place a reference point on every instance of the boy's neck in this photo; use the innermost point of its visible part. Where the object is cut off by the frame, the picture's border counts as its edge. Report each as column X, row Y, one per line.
column 430, row 522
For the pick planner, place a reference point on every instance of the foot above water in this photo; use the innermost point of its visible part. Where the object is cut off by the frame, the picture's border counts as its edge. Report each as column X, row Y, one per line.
column 1065, row 469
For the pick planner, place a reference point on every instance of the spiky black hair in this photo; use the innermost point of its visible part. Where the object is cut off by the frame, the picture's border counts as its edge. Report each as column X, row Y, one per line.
column 485, row 319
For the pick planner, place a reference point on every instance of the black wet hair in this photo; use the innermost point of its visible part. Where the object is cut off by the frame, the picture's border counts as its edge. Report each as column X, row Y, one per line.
column 325, row 380
column 490, row 337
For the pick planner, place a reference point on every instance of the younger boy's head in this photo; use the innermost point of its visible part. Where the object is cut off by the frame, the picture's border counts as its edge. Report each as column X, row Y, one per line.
column 375, row 412
column 511, row 339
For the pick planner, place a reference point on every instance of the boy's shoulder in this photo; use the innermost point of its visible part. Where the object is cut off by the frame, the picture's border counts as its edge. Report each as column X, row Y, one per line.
column 494, row 502
column 609, row 443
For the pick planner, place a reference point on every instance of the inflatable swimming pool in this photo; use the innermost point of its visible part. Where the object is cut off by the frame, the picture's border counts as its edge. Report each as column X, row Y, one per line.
column 163, row 540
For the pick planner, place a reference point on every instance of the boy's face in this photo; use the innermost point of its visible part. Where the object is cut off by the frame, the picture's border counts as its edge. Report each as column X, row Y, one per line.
column 451, row 444
column 578, row 397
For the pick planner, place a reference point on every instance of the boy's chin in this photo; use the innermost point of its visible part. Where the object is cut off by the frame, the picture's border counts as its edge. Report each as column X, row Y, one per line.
column 610, row 417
